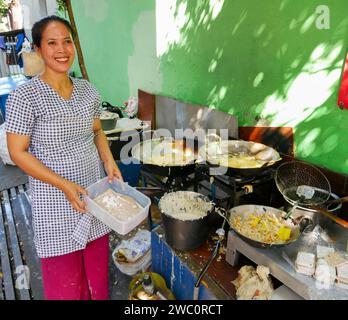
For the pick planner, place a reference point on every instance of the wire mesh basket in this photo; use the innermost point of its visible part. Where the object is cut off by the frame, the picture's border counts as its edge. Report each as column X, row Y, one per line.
column 302, row 184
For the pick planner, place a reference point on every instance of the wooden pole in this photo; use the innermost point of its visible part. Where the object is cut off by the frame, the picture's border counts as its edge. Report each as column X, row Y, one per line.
column 76, row 40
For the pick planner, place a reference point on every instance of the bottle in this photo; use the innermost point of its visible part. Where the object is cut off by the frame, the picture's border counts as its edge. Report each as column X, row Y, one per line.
column 148, row 284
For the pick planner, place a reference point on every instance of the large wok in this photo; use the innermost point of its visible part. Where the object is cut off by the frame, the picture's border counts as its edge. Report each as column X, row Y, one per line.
column 296, row 226
column 238, row 157
column 165, row 156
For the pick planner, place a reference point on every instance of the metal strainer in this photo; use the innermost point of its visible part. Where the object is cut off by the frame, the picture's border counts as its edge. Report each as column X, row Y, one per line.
column 302, row 184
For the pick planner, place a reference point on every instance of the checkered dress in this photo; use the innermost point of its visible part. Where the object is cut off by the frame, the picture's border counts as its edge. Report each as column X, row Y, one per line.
column 62, row 138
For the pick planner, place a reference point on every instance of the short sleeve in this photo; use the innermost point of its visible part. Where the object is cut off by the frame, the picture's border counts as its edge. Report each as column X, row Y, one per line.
column 92, row 92
column 19, row 115
column 98, row 106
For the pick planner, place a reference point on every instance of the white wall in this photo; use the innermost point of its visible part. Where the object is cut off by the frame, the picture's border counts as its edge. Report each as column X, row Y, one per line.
column 34, row 10
column 51, row 6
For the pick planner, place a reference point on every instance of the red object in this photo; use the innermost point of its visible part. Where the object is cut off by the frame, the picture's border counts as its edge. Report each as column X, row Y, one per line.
column 343, row 94
column 80, row 275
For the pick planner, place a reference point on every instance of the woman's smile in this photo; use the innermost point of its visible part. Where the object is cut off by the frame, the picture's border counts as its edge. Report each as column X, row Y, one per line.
column 57, row 48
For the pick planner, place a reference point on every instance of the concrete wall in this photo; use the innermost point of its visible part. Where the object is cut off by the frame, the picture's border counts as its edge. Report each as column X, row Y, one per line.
column 268, row 62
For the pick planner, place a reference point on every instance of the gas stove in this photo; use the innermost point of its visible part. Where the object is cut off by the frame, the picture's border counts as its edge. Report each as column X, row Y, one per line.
column 167, row 179
column 229, row 191
column 225, row 190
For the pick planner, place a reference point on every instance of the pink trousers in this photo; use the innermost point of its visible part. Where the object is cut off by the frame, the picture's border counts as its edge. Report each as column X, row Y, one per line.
column 80, row 275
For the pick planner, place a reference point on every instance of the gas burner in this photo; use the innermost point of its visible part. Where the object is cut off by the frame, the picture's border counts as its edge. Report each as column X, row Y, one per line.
column 231, row 188
column 237, row 179
column 168, row 179
column 225, row 190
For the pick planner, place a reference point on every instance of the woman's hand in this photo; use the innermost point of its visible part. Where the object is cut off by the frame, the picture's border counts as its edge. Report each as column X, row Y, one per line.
column 112, row 170
column 73, row 193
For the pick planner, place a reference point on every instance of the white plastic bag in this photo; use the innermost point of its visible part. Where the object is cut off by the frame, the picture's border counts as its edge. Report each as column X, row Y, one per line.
column 135, row 253
column 4, row 155
column 131, row 107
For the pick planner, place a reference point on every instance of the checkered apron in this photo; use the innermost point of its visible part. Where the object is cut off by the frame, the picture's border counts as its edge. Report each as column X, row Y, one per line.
column 61, row 137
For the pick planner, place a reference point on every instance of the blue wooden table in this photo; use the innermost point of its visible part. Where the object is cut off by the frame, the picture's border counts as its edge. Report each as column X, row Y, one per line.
column 180, row 271
column 7, row 85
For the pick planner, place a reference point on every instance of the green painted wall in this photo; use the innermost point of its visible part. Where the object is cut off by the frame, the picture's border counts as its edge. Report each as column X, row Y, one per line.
column 264, row 61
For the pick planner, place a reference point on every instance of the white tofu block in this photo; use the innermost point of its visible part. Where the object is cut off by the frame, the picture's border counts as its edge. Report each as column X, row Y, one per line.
column 335, row 259
column 322, row 251
column 325, row 283
column 304, row 270
column 325, row 269
column 342, row 285
column 325, row 273
column 322, row 261
column 342, row 272
column 305, row 259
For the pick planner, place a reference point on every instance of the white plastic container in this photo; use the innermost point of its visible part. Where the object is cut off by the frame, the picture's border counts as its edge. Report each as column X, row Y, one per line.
column 121, row 227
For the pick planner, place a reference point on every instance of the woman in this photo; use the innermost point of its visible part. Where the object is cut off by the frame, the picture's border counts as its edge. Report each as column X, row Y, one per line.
column 54, row 135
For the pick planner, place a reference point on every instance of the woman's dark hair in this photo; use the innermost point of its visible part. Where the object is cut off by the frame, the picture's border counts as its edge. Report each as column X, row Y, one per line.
column 40, row 26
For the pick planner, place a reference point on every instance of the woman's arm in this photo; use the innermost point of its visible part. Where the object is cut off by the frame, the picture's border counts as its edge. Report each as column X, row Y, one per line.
column 104, row 152
column 18, row 146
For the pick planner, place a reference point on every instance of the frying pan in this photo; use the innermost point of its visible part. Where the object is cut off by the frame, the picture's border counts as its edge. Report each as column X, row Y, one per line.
column 217, row 153
column 296, row 226
column 145, row 152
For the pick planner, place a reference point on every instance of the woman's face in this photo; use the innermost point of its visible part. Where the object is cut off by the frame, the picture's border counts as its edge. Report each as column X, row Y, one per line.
column 57, row 47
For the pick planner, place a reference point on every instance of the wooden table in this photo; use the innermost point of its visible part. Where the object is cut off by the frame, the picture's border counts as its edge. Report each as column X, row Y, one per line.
column 181, row 269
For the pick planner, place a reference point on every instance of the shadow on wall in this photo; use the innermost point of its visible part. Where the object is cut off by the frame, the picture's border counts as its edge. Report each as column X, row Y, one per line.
column 266, row 62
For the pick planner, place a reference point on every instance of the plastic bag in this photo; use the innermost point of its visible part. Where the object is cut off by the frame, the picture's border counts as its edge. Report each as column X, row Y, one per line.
column 32, row 63
column 133, row 249
column 131, row 107
column 253, row 284
column 324, row 254
column 307, row 242
column 4, row 154
column 133, row 255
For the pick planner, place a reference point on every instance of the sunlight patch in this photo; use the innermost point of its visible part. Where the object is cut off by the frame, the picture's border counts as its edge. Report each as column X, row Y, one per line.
column 241, row 20
column 307, row 146
column 259, row 31
column 309, row 90
column 213, row 65
column 222, row 93
column 215, row 7
column 307, row 24
column 330, row 143
column 171, row 18
column 258, row 79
